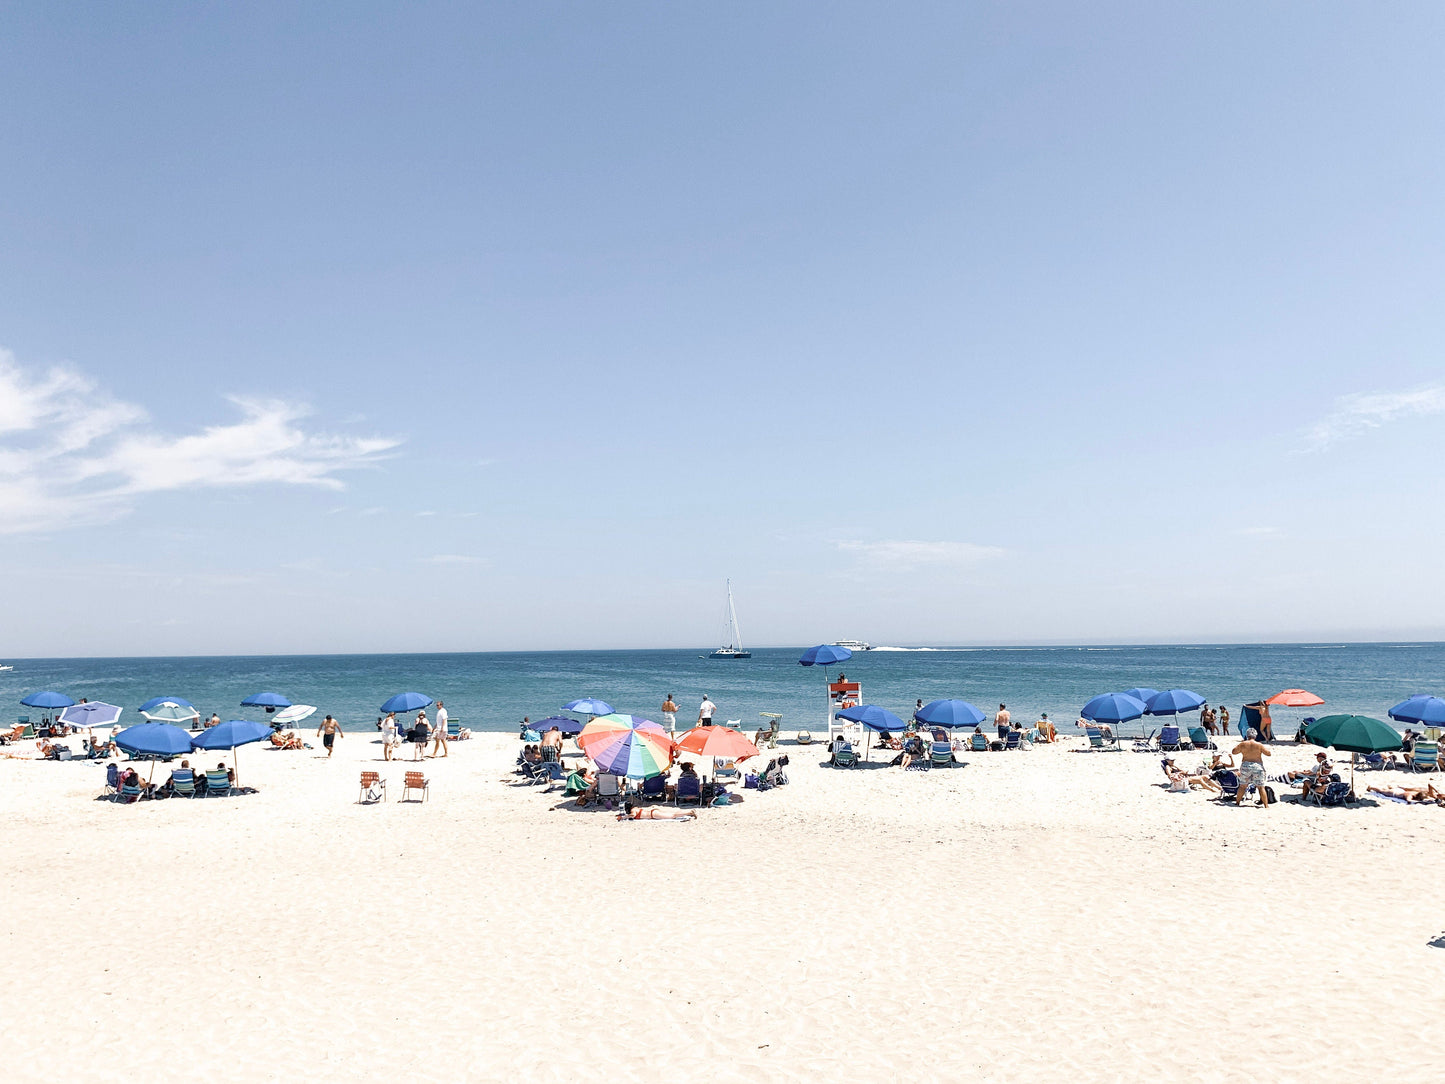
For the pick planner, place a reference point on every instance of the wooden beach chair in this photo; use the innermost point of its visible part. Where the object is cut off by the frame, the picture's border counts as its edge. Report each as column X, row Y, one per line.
column 416, row 781
column 373, row 788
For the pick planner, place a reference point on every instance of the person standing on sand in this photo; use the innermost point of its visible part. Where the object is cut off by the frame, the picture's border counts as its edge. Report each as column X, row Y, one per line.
column 1223, row 719
column 388, row 735
column 327, row 731
column 1251, row 767
column 1001, row 720
column 669, row 714
column 705, row 710
column 418, row 736
column 440, row 731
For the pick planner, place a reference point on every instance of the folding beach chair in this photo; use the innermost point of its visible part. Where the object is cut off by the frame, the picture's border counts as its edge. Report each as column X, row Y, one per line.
column 218, row 783
column 978, row 743
column 415, row 781
column 653, row 789
column 844, row 756
column 1014, row 740
column 725, row 771
column 112, row 782
column 129, row 792
column 1169, row 739
column 1100, row 744
column 689, row 789
column 1335, row 792
column 1200, row 738
column 183, row 783
column 609, row 789
column 1228, row 784
column 373, row 788
column 940, row 754
column 1426, row 757
column 770, row 735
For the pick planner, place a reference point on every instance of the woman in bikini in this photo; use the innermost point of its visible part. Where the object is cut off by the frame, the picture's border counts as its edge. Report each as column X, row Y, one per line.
column 652, row 813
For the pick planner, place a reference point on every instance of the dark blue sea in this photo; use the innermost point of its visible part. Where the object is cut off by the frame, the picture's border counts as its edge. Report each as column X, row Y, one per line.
column 493, row 691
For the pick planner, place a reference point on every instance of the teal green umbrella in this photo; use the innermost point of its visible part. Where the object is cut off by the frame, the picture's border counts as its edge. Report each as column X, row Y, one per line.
column 1353, row 734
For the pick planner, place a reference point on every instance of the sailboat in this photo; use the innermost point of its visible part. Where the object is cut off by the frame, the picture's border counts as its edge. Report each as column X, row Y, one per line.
column 733, row 649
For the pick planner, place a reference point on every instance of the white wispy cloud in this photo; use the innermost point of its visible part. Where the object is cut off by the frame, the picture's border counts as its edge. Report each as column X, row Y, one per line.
column 1355, row 415
column 71, row 455
column 912, row 554
column 454, row 559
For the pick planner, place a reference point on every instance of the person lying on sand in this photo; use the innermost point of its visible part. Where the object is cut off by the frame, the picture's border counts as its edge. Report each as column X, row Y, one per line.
column 652, row 813
column 1427, row 793
column 1196, row 780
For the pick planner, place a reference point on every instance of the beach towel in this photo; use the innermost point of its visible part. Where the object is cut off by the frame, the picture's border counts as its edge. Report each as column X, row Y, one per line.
column 1396, row 798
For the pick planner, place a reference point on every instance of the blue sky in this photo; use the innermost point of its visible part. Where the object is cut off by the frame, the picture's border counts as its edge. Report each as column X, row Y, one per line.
column 430, row 327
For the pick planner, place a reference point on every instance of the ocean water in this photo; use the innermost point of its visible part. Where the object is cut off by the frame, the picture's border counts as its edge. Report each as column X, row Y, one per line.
column 493, row 691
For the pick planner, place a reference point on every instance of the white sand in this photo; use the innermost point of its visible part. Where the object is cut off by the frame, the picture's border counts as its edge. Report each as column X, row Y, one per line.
column 1029, row 915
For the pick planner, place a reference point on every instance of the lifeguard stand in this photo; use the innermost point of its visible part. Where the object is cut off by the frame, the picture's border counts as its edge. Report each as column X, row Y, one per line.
column 844, row 694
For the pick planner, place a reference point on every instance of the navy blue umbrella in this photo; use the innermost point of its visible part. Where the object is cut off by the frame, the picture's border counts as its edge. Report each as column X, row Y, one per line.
column 231, row 734
column 1113, row 708
column 154, row 739
column 589, row 706
column 874, row 718
column 47, row 700
column 824, row 655
column 1420, row 708
column 265, row 700
column 949, row 713
column 406, row 702
column 1141, row 693
column 1173, row 702
column 157, row 701
column 567, row 726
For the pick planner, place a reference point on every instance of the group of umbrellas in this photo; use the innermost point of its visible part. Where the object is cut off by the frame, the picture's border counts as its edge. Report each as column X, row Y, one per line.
column 629, row 745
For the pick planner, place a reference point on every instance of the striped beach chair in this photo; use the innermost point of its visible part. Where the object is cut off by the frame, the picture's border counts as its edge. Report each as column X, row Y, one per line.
column 1426, row 757
column 218, row 783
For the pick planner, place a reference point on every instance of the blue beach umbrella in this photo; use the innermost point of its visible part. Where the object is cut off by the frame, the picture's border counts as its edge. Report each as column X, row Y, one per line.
column 949, row 714
column 1420, row 708
column 1173, row 702
column 47, row 699
column 231, row 734
column 406, row 702
column 154, row 739
column 589, row 706
column 567, row 726
column 1142, row 693
column 90, row 714
column 156, row 701
column 824, row 655
column 874, row 718
column 1113, row 708
column 269, row 701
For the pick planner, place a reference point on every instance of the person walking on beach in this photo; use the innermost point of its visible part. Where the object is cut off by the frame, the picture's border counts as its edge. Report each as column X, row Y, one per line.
column 440, row 732
column 1223, row 719
column 1251, row 767
column 669, row 714
column 1206, row 718
column 705, row 710
column 418, row 736
column 388, row 735
column 327, row 731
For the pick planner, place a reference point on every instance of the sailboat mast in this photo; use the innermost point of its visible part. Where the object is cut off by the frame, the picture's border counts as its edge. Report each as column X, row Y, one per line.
column 733, row 618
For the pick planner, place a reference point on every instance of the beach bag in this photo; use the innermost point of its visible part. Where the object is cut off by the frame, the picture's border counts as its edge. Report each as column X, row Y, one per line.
column 1269, row 793
column 750, row 781
column 722, row 799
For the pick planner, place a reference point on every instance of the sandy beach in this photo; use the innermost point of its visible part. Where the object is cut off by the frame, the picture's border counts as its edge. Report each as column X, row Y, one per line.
column 1025, row 915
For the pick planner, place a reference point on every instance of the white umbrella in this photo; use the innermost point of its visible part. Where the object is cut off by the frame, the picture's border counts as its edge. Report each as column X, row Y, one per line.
column 170, row 712
column 294, row 714
column 88, row 714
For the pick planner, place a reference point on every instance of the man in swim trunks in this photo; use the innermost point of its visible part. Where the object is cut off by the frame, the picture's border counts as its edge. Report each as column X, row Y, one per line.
column 328, row 730
column 1251, row 767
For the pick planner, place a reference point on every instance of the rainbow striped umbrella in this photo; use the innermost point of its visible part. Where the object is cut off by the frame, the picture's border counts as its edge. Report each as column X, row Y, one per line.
column 626, row 745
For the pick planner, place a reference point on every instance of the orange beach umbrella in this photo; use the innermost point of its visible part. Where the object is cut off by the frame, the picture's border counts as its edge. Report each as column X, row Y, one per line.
column 717, row 741
column 1295, row 698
